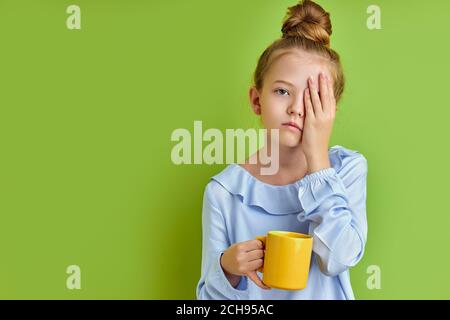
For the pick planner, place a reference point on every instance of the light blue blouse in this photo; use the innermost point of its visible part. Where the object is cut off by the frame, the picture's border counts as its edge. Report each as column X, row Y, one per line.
column 329, row 204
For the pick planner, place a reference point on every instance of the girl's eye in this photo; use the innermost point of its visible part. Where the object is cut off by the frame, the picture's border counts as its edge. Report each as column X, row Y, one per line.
column 282, row 91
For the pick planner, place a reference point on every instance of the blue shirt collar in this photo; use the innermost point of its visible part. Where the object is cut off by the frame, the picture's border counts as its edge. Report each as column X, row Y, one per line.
column 278, row 200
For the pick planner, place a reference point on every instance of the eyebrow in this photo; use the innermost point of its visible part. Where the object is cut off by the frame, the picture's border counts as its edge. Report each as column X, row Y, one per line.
column 286, row 82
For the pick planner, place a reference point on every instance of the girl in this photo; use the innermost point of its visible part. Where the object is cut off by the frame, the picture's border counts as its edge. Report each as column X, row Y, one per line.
column 297, row 84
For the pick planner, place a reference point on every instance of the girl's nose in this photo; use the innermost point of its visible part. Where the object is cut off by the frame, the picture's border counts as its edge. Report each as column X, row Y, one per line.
column 296, row 108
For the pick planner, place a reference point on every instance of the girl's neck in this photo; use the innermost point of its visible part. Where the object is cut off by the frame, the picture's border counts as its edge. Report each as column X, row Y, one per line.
column 292, row 165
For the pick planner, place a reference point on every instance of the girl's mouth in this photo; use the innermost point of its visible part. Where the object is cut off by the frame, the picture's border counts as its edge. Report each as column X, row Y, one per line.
column 292, row 127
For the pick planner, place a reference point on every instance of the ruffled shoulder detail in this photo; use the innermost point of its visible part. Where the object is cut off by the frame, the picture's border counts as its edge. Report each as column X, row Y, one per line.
column 253, row 192
column 340, row 156
column 273, row 199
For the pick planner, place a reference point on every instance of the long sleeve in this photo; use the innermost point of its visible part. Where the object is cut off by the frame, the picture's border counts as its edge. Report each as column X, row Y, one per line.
column 213, row 284
column 335, row 206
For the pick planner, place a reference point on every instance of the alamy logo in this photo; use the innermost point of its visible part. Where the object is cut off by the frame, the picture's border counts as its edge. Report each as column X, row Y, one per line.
column 74, row 20
column 74, row 279
column 212, row 153
column 374, row 20
column 374, row 280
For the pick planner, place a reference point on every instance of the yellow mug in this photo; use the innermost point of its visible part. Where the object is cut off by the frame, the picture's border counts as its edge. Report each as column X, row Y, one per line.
column 286, row 260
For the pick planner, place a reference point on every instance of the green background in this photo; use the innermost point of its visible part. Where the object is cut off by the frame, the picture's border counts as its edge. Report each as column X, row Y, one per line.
column 86, row 118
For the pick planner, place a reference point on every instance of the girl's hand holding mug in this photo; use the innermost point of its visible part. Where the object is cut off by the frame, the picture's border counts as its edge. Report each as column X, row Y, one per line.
column 244, row 259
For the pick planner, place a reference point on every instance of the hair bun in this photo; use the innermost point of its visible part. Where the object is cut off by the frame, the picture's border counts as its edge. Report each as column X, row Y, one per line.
column 309, row 20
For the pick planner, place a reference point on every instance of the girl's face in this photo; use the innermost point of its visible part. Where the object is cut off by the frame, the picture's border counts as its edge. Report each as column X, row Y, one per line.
column 281, row 97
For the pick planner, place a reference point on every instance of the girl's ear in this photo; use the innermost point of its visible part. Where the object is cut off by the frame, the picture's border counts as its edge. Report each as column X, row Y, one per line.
column 254, row 100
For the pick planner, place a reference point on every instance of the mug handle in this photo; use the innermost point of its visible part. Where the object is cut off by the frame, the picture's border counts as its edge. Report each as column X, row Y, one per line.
column 263, row 239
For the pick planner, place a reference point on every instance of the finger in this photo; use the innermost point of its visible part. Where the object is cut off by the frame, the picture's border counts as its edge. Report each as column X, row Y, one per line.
column 308, row 104
column 331, row 94
column 254, row 277
column 254, row 264
column 255, row 254
column 324, row 93
column 254, row 244
column 314, row 96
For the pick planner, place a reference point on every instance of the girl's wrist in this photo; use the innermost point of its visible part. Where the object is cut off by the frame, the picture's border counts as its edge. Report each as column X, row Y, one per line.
column 318, row 162
column 232, row 278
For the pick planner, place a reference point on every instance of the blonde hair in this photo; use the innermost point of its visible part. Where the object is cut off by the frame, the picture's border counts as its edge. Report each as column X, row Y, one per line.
column 306, row 26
